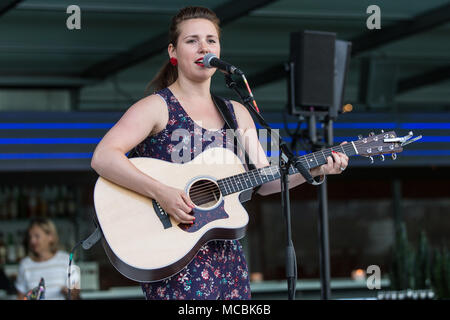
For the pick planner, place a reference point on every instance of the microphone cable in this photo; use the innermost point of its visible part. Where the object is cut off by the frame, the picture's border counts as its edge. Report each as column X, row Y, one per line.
column 250, row 92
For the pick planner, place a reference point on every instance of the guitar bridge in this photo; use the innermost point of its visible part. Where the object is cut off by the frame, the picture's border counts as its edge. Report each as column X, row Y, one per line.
column 162, row 215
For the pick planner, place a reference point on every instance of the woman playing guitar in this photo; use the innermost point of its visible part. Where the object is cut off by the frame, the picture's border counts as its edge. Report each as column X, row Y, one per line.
column 182, row 100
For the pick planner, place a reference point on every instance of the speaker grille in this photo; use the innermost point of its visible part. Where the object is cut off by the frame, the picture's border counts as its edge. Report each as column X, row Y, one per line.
column 313, row 55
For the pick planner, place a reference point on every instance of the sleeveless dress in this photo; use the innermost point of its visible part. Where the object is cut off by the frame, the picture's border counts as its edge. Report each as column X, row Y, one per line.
column 219, row 270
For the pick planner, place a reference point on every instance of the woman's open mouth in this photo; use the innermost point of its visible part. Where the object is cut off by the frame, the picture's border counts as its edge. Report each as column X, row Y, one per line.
column 199, row 62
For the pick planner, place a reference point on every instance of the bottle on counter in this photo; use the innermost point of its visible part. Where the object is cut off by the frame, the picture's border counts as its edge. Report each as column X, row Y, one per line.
column 20, row 246
column 11, row 250
column 2, row 204
column 22, row 203
column 32, row 203
column 71, row 203
column 61, row 202
column 43, row 202
column 13, row 203
column 52, row 201
column 6, row 203
column 2, row 249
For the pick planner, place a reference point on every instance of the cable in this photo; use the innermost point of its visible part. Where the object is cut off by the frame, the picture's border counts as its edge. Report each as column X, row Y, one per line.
column 296, row 135
column 250, row 92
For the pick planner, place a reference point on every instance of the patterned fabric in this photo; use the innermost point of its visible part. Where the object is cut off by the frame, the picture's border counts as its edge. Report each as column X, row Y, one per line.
column 219, row 270
column 162, row 144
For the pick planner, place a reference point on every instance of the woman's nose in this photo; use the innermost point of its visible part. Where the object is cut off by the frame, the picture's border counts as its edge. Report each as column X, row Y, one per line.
column 204, row 48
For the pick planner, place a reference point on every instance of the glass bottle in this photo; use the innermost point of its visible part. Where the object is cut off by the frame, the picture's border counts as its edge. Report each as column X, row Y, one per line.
column 11, row 249
column 2, row 249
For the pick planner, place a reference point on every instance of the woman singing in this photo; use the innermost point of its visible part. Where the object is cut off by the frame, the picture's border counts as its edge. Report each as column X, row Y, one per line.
column 182, row 99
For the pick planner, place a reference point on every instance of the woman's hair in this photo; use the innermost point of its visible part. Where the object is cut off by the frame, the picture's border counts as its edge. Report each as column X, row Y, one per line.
column 168, row 74
column 49, row 228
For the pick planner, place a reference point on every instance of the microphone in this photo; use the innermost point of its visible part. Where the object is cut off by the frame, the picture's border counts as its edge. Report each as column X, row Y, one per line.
column 210, row 60
column 37, row 293
column 41, row 293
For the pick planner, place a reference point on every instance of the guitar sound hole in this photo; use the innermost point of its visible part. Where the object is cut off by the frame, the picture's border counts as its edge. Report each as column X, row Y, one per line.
column 204, row 193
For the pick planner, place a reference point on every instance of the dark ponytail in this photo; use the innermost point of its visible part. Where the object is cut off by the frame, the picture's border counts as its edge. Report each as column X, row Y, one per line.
column 168, row 74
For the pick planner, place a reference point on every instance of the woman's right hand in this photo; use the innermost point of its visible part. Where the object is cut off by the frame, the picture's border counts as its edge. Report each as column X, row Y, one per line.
column 176, row 203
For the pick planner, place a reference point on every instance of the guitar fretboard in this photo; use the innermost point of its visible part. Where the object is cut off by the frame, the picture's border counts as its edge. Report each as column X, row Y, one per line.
column 257, row 177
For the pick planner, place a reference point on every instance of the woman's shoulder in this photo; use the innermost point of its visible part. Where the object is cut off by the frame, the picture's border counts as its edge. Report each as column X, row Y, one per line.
column 239, row 107
column 154, row 101
column 243, row 116
column 26, row 261
column 61, row 255
column 149, row 110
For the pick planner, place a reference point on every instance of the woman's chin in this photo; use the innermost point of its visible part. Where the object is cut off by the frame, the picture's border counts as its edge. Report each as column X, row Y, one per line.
column 203, row 75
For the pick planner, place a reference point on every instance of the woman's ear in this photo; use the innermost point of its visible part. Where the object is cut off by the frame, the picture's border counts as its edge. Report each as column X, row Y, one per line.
column 51, row 239
column 172, row 51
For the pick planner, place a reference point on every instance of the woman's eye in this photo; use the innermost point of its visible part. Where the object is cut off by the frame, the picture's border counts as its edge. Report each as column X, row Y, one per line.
column 212, row 41
column 190, row 41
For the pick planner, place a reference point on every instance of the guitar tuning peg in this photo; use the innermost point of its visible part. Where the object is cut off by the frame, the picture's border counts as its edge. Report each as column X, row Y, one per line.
column 394, row 156
column 360, row 136
column 382, row 131
column 382, row 157
column 371, row 159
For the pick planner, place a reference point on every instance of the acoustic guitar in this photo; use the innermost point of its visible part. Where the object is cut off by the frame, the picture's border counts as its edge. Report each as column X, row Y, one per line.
column 145, row 244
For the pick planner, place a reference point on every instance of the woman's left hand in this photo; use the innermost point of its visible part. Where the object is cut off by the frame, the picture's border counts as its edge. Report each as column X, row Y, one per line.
column 335, row 165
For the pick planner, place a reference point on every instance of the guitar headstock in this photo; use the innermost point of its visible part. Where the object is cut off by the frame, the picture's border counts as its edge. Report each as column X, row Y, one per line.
column 385, row 142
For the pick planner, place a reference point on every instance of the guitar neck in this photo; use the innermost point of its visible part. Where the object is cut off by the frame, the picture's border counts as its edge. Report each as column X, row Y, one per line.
column 257, row 177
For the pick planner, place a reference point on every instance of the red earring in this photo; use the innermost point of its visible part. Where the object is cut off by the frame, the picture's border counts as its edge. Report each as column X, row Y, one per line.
column 173, row 61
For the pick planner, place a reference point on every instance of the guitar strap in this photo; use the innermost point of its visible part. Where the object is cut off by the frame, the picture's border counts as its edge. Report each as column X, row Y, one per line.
column 228, row 118
column 226, row 115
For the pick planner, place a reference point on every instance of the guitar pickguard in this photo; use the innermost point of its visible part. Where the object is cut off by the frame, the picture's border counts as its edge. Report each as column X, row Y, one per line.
column 203, row 217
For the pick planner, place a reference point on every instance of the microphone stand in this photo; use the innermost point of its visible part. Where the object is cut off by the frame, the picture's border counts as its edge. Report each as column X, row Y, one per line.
column 324, row 252
column 286, row 159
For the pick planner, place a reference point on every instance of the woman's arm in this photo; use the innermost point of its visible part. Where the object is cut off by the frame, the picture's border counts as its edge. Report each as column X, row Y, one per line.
column 20, row 295
column 109, row 160
column 258, row 156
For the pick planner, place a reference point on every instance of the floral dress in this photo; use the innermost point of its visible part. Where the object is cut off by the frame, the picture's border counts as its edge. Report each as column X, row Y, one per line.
column 219, row 269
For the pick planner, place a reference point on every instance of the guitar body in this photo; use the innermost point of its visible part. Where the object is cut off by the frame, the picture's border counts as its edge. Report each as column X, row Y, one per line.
column 145, row 244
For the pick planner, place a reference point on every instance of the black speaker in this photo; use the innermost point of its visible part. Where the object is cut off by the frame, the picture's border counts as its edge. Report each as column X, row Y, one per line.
column 378, row 81
column 313, row 55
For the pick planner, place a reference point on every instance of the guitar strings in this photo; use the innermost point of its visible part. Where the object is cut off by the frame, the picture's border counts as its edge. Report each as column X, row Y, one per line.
column 206, row 198
column 208, row 186
column 205, row 184
column 199, row 189
column 206, row 192
column 203, row 192
column 220, row 184
column 238, row 178
column 210, row 192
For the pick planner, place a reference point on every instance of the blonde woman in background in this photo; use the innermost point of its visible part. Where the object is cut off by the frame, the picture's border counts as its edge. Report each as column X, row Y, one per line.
column 44, row 260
